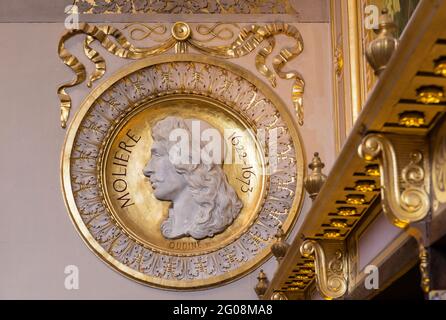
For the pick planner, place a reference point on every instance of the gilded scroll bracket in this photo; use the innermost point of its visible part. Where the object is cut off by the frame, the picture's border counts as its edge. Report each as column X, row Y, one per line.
column 405, row 201
column 330, row 266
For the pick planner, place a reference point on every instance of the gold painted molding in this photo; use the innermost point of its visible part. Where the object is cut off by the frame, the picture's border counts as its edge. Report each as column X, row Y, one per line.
column 331, row 276
column 352, row 77
column 181, row 38
column 406, row 203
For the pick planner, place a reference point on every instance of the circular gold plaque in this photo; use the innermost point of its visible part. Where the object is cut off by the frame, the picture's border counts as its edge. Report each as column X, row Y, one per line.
column 119, row 203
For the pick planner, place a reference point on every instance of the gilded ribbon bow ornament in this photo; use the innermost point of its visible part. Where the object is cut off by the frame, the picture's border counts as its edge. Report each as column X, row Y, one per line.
column 247, row 41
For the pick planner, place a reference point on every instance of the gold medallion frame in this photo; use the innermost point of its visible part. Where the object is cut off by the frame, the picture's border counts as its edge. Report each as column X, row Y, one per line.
column 157, row 281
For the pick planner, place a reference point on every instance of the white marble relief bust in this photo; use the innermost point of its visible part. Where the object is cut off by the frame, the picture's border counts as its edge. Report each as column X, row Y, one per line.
column 203, row 202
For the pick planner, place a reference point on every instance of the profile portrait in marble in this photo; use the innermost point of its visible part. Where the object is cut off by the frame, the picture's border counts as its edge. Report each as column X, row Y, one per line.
column 203, row 203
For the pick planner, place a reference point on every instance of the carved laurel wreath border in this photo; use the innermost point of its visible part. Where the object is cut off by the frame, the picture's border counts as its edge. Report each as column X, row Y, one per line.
column 248, row 40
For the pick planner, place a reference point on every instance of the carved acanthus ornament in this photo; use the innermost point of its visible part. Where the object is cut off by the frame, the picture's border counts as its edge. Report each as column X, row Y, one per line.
column 279, row 296
column 406, row 202
column 424, row 269
column 331, row 276
column 423, row 255
column 220, row 31
column 185, row 7
column 181, row 38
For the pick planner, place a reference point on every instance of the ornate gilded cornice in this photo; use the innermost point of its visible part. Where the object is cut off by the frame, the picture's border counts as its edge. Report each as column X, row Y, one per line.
column 185, row 7
column 181, row 38
column 330, row 267
column 402, row 203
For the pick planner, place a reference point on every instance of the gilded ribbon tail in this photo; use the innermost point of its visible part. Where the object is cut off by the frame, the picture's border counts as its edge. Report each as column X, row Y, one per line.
column 286, row 55
column 78, row 68
column 261, row 61
column 297, row 96
column 96, row 58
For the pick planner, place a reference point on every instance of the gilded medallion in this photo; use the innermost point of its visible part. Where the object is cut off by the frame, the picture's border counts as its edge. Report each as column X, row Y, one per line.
column 178, row 171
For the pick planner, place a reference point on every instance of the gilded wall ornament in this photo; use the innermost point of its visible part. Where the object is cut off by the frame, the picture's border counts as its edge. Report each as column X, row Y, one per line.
column 402, row 203
column 424, row 269
column 126, row 195
column 181, row 38
column 339, row 57
column 423, row 255
column 219, row 31
column 141, row 31
column 430, row 94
